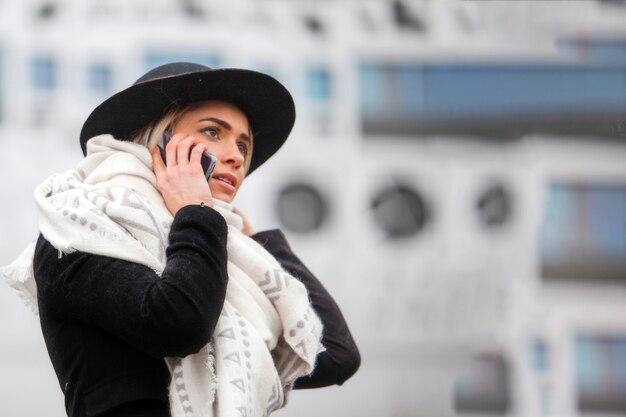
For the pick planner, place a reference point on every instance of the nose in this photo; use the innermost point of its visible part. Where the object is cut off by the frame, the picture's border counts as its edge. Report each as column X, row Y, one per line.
column 232, row 155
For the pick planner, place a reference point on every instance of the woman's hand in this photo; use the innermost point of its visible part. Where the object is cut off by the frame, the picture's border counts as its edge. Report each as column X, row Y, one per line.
column 247, row 230
column 181, row 182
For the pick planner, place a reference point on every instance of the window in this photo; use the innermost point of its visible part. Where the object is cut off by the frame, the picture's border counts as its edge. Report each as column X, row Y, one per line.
column 498, row 99
column 539, row 356
column 44, row 73
column 485, row 388
column 392, row 97
column 318, row 90
column 601, row 373
column 583, row 235
column 375, row 92
column 318, row 84
column 99, row 78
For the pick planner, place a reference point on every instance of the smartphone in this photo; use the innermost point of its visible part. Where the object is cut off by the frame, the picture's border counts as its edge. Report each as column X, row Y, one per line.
column 208, row 160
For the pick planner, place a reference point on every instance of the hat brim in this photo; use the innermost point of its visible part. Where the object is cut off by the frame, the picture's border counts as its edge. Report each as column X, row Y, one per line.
column 266, row 103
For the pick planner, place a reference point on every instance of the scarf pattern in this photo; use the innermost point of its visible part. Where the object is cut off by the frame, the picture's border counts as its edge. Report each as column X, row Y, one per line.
column 267, row 334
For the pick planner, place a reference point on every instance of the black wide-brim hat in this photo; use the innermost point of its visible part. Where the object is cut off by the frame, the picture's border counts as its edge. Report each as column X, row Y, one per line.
column 266, row 103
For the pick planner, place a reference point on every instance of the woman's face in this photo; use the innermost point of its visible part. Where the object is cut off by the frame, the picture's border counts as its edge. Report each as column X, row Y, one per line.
column 224, row 129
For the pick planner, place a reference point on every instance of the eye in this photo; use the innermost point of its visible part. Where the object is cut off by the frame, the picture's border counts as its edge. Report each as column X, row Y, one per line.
column 243, row 148
column 211, row 132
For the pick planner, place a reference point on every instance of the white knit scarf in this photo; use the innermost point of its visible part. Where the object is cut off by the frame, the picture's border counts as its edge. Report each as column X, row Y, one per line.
column 267, row 334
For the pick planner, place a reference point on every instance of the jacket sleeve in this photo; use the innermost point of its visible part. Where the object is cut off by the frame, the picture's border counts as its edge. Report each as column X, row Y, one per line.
column 341, row 359
column 169, row 315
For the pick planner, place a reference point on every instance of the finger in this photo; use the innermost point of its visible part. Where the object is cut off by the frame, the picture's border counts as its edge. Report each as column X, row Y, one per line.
column 196, row 154
column 171, row 148
column 183, row 149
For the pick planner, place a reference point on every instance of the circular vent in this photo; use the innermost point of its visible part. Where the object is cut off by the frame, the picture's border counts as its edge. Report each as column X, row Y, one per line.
column 400, row 211
column 301, row 208
column 494, row 206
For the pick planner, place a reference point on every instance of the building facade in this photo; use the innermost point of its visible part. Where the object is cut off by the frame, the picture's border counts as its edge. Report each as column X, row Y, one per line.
column 455, row 177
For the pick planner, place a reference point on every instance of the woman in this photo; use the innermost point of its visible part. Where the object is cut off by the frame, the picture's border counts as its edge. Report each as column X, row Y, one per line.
column 156, row 297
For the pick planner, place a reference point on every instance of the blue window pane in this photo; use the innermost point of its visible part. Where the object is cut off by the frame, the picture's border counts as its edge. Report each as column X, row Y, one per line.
column 589, row 368
column 607, row 229
column 485, row 387
column 435, row 97
column 478, row 91
column 410, row 89
column 583, row 234
column 558, row 216
column 539, row 356
column 44, row 73
column 99, row 77
column 374, row 91
column 318, row 84
column 155, row 59
column 601, row 372
column 620, row 365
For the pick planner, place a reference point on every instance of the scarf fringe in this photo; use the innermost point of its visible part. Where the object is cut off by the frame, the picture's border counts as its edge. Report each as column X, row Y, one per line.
column 19, row 277
column 210, row 365
column 24, row 295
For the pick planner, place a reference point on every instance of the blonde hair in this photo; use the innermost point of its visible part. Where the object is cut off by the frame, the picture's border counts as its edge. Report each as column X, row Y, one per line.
column 151, row 134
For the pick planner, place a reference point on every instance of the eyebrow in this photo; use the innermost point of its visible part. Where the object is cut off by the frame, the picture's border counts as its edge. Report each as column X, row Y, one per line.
column 226, row 126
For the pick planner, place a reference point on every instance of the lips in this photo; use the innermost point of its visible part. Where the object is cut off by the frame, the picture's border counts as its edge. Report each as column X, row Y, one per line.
column 226, row 178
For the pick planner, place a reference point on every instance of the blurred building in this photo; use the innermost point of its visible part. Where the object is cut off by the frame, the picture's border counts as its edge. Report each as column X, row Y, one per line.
column 456, row 178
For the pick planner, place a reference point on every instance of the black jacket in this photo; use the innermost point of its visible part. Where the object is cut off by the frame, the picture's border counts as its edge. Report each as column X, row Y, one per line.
column 109, row 323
